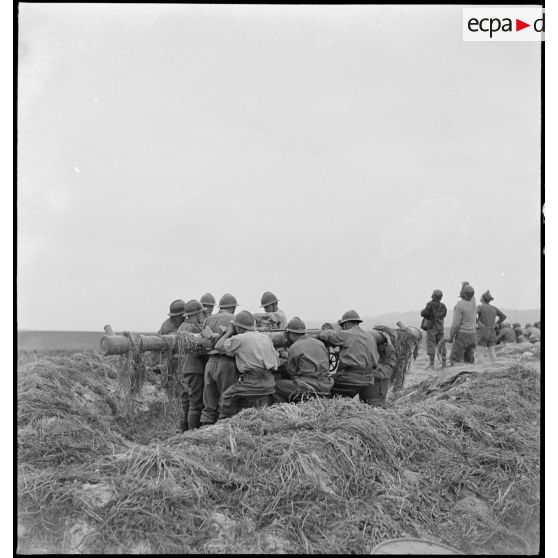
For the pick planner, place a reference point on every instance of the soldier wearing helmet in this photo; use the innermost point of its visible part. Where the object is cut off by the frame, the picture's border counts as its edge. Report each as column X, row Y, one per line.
column 272, row 316
column 307, row 366
column 486, row 318
column 171, row 325
column 175, row 319
column 192, row 366
column 358, row 357
column 208, row 302
column 220, row 370
column 433, row 323
column 462, row 331
column 256, row 360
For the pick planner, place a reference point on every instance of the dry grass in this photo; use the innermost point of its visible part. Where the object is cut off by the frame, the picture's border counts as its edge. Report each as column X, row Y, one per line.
column 459, row 465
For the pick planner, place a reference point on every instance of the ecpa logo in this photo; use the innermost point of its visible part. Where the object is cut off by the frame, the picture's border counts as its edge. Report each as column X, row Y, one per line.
column 503, row 24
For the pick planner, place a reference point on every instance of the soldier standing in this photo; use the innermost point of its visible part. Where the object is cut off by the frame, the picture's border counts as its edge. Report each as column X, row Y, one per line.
column 220, row 370
column 433, row 323
column 171, row 383
column 192, row 366
column 486, row 317
column 175, row 319
column 462, row 331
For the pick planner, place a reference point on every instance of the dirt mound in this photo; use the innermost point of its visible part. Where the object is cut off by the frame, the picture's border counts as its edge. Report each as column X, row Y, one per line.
column 458, row 464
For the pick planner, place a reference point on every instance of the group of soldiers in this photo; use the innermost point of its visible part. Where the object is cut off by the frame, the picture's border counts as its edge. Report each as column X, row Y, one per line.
column 262, row 358
column 483, row 325
column 283, row 363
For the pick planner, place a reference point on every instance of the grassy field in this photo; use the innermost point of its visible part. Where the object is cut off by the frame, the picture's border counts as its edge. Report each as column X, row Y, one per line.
column 101, row 472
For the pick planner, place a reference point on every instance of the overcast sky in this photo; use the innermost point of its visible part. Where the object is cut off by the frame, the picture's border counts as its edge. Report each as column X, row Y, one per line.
column 341, row 157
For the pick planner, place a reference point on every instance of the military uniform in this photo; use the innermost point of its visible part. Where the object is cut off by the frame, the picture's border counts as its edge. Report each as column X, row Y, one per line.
column 434, row 313
column 382, row 374
column 256, row 359
column 308, row 370
column 192, row 367
column 172, row 386
column 220, row 371
column 358, row 361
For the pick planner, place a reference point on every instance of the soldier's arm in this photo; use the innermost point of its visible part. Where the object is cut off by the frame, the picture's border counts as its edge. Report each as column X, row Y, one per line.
column 225, row 342
column 278, row 338
column 425, row 313
column 501, row 316
column 331, row 336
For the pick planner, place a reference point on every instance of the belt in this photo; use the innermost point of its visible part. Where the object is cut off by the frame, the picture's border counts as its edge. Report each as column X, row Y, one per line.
column 256, row 371
column 358, row 370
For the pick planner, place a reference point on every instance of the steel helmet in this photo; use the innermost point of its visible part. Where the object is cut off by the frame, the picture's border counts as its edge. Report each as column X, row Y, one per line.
column 268, row 298
column 193, row 307
column 207, row 299
column 177, row 308
column 227, row 301
column 296, row 325
column 350, row 316
column 245, row 320
column 516, row 324
column 437, row 293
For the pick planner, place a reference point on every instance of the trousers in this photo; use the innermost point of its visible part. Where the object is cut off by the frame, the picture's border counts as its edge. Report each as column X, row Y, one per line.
column 351, row 383
column 286, row 390
column 194, row 384
column 379, row 392
column 433, row 337
column 249, row 384
column 220, row 374
column 463, row 348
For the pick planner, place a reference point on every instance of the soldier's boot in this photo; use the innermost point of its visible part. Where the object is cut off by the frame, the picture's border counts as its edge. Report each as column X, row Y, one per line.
column 184, row 424
column 193, row 420
column 431, row 357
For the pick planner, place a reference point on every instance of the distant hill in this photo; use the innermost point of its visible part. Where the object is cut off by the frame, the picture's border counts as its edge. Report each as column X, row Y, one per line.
column 412, row 318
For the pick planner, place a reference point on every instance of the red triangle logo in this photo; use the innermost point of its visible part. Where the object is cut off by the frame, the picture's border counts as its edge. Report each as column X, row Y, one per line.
column 519, row 25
